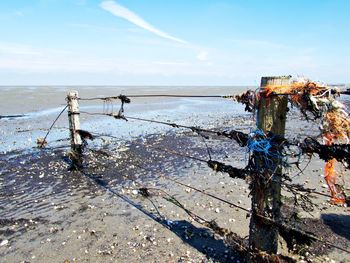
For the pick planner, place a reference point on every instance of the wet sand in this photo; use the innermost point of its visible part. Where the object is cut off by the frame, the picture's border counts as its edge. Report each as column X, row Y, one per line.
column 49, row 214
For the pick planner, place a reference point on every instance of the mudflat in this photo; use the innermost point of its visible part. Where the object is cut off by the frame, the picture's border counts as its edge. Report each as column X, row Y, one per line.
column 51, row 214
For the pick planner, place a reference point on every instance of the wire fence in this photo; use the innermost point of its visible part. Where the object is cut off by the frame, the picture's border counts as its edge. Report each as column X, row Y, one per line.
column 273, row 149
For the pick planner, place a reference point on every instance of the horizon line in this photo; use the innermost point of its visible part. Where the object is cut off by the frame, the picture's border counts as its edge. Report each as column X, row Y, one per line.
column 128, row 85
column 131, row 85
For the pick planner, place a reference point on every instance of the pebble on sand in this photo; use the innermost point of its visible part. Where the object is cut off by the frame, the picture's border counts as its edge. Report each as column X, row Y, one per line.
column 4, row 242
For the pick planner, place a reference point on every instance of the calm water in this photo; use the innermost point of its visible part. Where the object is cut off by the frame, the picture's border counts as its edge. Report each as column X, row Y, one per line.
column 42, row 105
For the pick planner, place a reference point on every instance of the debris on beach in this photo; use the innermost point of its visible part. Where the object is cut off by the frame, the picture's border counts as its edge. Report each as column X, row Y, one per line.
column 320, row 100
column 115, row 168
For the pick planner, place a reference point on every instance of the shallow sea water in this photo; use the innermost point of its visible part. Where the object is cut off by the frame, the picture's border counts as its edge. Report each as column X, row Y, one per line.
column 21, row 133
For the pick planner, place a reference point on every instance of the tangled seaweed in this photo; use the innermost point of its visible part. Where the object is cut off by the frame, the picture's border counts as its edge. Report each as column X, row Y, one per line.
column 340, row 152
column 232, row 171
column 320, row 100
column 249, row 98
column 240, row 137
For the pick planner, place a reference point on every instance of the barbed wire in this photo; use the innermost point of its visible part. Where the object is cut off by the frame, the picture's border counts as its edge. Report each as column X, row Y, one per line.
column 309, row 146
column 236, row 135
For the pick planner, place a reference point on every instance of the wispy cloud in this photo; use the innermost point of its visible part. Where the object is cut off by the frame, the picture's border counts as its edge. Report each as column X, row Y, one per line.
column 121, row 11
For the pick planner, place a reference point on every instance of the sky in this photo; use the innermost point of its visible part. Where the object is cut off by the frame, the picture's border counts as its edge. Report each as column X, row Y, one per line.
column 178, row 42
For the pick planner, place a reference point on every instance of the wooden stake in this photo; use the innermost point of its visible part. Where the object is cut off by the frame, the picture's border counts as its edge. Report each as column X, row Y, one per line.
column 74, row 125
column 266, row 191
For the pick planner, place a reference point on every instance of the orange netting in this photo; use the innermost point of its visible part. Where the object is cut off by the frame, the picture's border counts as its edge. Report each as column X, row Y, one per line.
column 337, row 125
column 338, row 195
column 321, row 101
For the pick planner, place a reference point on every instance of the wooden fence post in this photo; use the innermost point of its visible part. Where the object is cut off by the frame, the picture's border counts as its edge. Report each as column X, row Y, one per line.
column 74, row 125
column 266, row 191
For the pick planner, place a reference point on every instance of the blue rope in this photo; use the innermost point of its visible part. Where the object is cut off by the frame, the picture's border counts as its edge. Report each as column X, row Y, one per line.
column 260, row 143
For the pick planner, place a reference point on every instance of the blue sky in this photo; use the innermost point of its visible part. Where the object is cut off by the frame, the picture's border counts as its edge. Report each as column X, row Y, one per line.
column 179, row 42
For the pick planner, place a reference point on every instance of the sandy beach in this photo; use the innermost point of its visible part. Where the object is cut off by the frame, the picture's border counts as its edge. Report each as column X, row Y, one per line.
column 50, row 214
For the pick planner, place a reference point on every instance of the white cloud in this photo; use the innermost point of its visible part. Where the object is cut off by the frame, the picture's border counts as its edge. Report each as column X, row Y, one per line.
column 123, row 12
column 203, row 56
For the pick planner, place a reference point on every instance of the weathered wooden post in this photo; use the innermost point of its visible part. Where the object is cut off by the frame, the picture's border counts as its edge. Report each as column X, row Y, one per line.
column 266, row 191
column 74, row 126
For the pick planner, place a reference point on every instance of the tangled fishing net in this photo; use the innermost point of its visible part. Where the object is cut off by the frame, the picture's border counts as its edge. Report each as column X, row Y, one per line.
column 321, row 102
